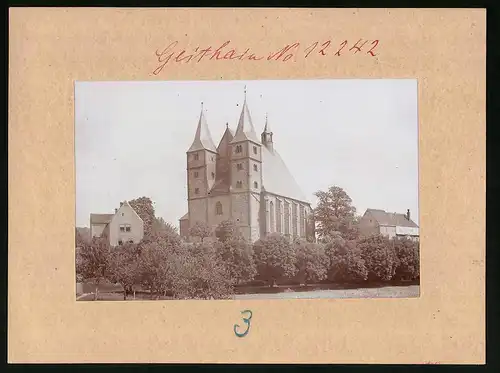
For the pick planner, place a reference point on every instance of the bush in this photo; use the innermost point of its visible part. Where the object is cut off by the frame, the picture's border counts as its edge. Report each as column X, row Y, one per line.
column 345, row 261
column 275, row 258
column 380, row 257
column 312, row 262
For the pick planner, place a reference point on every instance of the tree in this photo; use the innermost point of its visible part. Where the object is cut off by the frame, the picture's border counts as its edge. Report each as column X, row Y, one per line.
column 236, row 254
column 124, row 267
column 408, row 258
column 164, row 234
column 312, row 262
column 82, row 235
column 155, row 268
column 380, row 257
column 275, row 258
column 335, row 213
column 200, row 230
column 143, row 206
column 160, row 227
column 198, row 274
column 227, row 230
column 93, row 262
column 346, row 263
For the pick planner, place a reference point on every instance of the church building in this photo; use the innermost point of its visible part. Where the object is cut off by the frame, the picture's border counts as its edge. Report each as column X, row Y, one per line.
column 243, row 179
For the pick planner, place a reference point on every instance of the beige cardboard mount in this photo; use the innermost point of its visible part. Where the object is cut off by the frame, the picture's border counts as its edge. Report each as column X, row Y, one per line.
column 51, row 48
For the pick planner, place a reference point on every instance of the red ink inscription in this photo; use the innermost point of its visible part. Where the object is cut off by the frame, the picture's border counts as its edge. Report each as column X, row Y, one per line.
column 357, row 47
column 277, row 55
column 374, row 43
column 312, row 47
column 344, row 43
column 173, row 54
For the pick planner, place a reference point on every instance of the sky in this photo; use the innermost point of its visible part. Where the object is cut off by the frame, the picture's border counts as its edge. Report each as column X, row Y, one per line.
column 131, row 138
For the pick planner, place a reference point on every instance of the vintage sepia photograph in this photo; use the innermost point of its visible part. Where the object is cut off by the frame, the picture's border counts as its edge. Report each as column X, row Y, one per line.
column 263, row 189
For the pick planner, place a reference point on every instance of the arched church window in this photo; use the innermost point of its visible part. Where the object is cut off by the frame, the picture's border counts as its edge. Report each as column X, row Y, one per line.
column 255, row 168
column 255, row 184
column 218, row 208
column 196, row 156
column 254, row 150
column 239, row 149
column 239, row 184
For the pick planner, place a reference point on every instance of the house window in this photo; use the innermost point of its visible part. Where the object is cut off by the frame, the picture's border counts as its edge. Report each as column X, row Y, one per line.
column 239, row 184
column 120, row 242
column 125, row 228
column 239, row 149
column 254, row 150
column 255, row 184
column 239, row 166
column 196, row 156
column 218, row 208
column 130, row 241
column 122, row 228
column 196, row 190
column 255, row 168
column 213, row 175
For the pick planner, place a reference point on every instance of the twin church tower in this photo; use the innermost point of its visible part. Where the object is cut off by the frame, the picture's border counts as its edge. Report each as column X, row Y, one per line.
column 243, row 179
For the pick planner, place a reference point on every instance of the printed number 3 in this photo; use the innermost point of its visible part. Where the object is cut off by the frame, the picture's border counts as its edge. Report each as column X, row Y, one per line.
column 247, row 321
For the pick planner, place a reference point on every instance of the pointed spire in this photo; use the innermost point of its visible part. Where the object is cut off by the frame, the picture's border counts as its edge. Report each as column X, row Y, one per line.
column 245, row 129
column 267, row 127
column 266, row 137
column 203, row 138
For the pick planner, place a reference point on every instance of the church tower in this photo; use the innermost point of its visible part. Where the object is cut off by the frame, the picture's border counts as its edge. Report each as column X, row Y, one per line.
column 266, row 136
column 201, row 161
column 246, row 175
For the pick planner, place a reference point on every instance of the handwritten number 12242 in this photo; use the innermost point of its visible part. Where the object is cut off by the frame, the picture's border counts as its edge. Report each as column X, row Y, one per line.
column 247, row 322
column 357, row 47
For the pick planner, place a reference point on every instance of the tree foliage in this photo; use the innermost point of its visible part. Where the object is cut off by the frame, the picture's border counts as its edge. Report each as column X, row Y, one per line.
column 143, row 206
column 92, row 262
column 408, row 258
column 345, row 261
column 237, row 256
column 312, row 261
column 155, row 268
column 335, row 213
column 379, row 255
column 275, row 258
column 200, row 230
column 227, row 230
column 198, row 274
column 124, row 267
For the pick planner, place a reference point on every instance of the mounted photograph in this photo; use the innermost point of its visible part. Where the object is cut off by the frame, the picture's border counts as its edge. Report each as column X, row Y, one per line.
column 259, row 189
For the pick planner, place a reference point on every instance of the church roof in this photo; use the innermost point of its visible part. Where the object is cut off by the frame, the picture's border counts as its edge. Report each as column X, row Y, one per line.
column 391, row 218
column 277, row 179
column 245, row 130
column 203, row 137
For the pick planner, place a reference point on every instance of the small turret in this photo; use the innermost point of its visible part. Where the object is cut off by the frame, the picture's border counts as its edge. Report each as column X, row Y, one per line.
column 267, row 136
